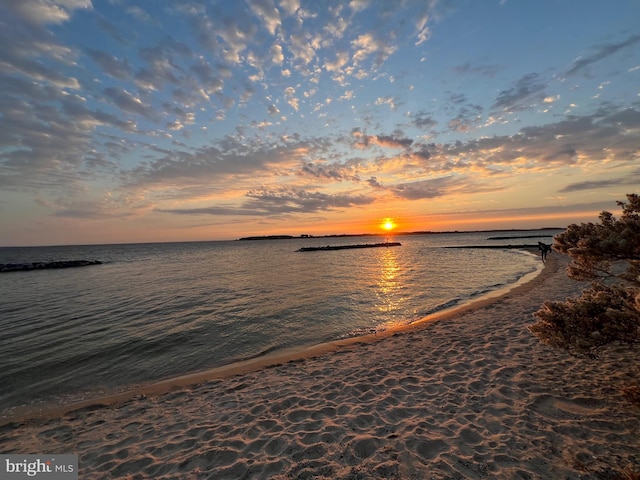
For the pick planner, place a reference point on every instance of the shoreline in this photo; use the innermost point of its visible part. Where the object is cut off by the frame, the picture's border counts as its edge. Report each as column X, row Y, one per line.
column 45, row 411
column 475, row 397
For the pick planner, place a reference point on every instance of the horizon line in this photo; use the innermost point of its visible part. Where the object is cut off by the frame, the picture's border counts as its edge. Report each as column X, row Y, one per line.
column 299, row 236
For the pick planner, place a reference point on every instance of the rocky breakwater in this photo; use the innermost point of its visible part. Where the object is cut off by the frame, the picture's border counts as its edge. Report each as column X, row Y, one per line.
column 21, row 267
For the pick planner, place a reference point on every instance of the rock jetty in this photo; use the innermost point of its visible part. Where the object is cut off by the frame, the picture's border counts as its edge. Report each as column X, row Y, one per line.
column 21, row 267
column 345, row 247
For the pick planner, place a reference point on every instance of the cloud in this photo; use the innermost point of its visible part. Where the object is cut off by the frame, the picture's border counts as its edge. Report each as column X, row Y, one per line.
column 290, row 6
column 281, row 201
column 423, row 32
column 38, row 71
column 111, row 65
column 597, row 184
column 139, row 14
column 45, row 11
column 111, row 30
column 429, row 188
column 388, row 141
column 273, row 110
column 388, row 100
column 367, row 45
column 237, row 33
column 51, row 150
column 228, row 160
column 573, row 140
column 338, row 27
column 421, row 153
column 219, row 210
column 358, row 5
column 294, row 200
column 469, row 117
column 423, row 120
column 341, row 59
column 210, row 80
column 185, row 118
column 128, row 102
column 528, row 90
column 320, row 171
column 459, row 124
column 290, row 97
column 482, row 70
column 601, row 52
column 34, row 53
column 301, row 47
column 348, row 95
column 161, row 67
column 76, row 110
column 373, row 182
column 269, row 14
column 628, row 119
column 277, row 57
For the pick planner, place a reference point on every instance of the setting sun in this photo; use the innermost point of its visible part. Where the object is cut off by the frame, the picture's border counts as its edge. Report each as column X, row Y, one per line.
column 388, row 224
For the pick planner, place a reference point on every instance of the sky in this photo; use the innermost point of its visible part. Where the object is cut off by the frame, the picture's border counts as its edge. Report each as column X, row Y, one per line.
column 184, row 120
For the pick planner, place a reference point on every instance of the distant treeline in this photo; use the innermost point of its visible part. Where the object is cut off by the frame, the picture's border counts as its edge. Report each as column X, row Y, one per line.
column 424, row 232
column 519, row 236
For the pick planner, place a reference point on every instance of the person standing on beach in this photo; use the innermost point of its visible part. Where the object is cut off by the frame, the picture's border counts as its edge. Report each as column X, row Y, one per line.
column 544, row 250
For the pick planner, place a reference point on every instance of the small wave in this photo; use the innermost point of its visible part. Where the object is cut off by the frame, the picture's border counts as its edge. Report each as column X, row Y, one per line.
column 261, row 353
column 444, row 306
column 358, row 332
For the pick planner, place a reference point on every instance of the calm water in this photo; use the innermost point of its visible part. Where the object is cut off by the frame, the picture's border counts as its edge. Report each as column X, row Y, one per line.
column 154, row 311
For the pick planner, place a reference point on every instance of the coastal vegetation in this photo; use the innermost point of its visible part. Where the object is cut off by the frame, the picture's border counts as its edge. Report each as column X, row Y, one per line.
column 608, row 254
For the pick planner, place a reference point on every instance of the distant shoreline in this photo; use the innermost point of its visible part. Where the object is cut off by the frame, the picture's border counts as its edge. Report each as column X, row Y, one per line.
column 287, row 237
column 425, row 232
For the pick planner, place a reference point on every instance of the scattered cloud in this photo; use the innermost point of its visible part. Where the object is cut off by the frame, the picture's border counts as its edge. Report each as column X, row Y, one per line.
column 260, row 108
column 281, row 201
column 267, row 11
column 527, row 91
column 45, row 11
column 111, row 65
column 482, row 70
column 128, row 102
column 601, row 52
column 388, row 141
column 290, row 97
column 369, row 45
column 430, row 188
column 599, row 184
column 423, row 120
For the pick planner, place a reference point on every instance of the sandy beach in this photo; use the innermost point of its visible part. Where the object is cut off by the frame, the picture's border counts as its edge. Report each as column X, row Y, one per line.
column 471, row 394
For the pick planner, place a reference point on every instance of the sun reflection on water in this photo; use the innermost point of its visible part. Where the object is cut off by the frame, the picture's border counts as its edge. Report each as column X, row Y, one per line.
column 389, row 286
column 388, row 281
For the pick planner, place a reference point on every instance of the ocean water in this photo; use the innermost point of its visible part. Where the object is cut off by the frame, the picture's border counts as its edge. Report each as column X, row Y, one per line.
column 155, row 311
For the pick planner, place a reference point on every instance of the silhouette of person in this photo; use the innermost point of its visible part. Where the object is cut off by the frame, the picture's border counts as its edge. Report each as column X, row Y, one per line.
column 544, row 250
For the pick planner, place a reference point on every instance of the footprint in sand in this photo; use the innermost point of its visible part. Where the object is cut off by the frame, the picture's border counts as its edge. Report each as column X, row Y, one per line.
column 558, row 408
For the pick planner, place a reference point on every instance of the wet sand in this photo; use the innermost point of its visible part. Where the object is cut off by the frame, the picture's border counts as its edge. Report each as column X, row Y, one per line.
column 469, row 394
